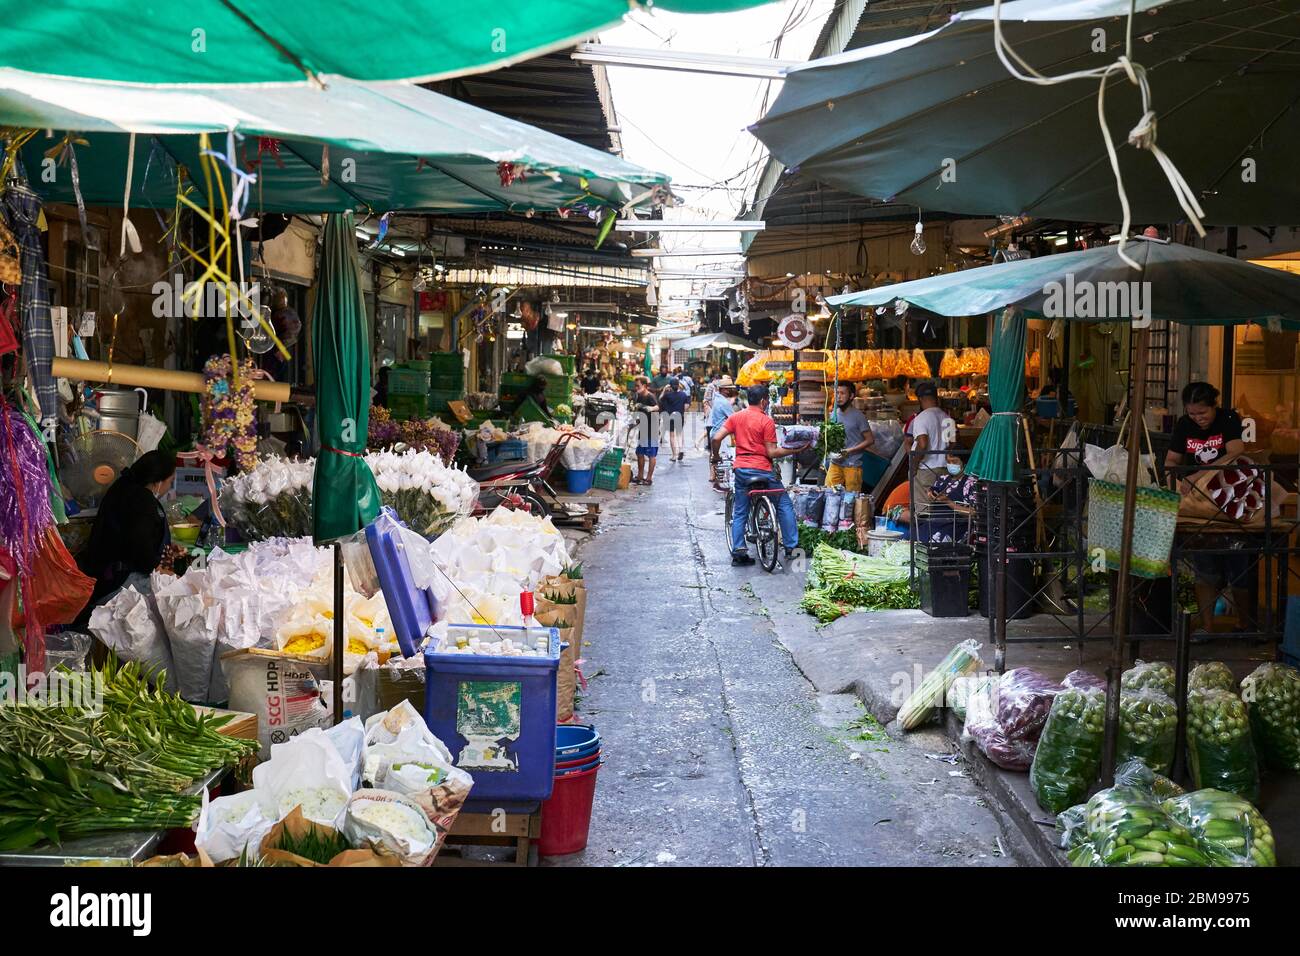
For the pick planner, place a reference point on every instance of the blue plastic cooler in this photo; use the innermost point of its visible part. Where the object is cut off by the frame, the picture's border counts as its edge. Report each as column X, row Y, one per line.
column 496, row 714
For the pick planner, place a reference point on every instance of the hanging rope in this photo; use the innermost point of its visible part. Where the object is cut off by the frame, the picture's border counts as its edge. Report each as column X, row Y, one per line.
column 1141, row 136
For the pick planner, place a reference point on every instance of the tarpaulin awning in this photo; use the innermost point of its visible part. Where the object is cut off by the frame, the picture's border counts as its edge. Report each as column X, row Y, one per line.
column 1178, row 283
column 276, row 41
column 715, row 340
column 392, row 146
column 937, row 120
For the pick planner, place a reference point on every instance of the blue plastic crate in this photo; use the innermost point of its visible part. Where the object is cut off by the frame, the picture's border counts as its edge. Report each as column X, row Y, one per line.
column 1291, row 631
column 512, row 449
column 497, row 714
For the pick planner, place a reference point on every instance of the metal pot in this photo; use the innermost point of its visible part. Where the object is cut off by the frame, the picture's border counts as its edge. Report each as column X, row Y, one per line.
column 119, row 410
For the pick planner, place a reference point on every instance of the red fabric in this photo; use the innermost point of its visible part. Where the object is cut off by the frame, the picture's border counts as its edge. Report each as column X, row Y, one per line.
column 751, row 430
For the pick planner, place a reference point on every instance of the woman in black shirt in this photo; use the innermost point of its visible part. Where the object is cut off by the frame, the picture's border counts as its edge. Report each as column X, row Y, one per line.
column 1204, row 435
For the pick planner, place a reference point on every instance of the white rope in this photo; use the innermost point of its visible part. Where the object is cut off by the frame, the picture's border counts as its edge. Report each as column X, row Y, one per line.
column 1142, row 136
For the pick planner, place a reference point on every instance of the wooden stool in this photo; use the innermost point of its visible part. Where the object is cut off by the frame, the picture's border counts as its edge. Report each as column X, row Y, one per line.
column 515, row 827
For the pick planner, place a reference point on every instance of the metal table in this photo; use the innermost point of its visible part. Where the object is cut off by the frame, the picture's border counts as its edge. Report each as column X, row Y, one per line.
column 111, row 848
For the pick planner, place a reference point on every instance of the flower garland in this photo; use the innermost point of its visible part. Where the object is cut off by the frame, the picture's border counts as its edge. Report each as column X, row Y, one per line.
column 228, row 411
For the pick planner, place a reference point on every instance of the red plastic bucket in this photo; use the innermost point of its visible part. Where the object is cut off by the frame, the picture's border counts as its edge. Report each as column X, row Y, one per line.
column 566, row 814
column 561, row 765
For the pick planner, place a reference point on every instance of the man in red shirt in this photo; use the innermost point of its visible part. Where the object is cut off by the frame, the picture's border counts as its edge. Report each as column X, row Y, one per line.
column 754, row 433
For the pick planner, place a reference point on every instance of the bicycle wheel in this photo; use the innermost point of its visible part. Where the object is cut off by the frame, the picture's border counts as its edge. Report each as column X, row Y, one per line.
column 726, row 520
column 762, row 516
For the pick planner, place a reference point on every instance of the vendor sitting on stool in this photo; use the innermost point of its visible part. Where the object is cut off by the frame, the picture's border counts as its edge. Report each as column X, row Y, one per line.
column 1209, row 435
column 954, row 489
column 845, row 467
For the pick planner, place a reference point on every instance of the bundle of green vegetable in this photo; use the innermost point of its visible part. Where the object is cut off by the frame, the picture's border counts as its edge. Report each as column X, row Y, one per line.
column 817, row 603
column 1219, row 747
column 1127, row 827
column 1228, row 829
column 1272, row 696
column 67, row 771
column 1157, row 674
column 934, row 687
column 1148, row 727
column 1069, row 751
column 831, row 439
column 810, row 538
column 850, row 577
column 1212, row 675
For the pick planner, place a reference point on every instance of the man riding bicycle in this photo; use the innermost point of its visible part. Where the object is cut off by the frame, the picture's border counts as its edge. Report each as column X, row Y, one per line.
column 754, row 434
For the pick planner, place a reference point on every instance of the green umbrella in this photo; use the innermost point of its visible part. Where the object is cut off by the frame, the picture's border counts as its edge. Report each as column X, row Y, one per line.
column 274, row 41
column 648, row 366
column 994, row 455
column 344, row 495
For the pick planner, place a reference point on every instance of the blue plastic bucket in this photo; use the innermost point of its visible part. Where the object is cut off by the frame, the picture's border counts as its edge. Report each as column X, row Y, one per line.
column 580, row 481
column 575, row 740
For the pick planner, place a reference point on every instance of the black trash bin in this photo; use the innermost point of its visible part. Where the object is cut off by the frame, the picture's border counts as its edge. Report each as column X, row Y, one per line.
column 1020, row 586
column 943, row 572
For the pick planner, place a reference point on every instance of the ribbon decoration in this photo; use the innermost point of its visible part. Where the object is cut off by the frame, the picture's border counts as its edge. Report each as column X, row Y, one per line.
column 65, row 152
column 213, row 271
column 202, row 457
column 239, row 179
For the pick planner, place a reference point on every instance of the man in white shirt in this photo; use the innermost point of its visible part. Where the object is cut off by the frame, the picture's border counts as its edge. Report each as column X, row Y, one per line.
column 931, row 430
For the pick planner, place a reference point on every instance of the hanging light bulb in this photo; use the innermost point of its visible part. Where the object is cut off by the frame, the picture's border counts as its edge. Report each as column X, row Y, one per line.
column 918, row 241
column 254, row 334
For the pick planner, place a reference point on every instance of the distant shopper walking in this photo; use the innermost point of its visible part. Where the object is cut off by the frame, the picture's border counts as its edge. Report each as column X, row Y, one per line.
column 645, row 404
column 672, row 409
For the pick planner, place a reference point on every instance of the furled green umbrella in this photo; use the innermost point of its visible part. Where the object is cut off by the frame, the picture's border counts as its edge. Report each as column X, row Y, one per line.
column 994, row 456
column 273, row 41
column 344, row 495
column 647, row 365
column 936, row 119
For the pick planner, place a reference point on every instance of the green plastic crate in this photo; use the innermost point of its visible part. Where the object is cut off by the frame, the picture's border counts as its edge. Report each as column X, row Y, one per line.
column 446, row 382
column 443, row 363
column 407, row 381
column 608, row 470
column 567, row 362
column 439, row 398
column 404, row 407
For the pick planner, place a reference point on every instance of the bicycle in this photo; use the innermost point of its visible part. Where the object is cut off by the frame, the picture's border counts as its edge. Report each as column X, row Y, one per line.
column 761, row 527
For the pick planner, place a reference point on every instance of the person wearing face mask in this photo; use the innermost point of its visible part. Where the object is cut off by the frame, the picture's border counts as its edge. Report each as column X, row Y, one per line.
column 845, row 467
column 130, row 531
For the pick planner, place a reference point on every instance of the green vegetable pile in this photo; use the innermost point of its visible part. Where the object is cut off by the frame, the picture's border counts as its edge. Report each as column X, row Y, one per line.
column 1219, row 746
column 1157, row 674
column 318, row 844
column 840, row 580
column 68, row 771
column 1230, row 831
column 1069, row 751
column 831, row 439
column 810, row 538
column 1272, row 696
column 1212, row 675
column 1128, row 827
column 1148, row 727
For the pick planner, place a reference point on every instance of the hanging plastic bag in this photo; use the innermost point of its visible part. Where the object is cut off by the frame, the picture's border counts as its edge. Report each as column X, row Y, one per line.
column 57, row 586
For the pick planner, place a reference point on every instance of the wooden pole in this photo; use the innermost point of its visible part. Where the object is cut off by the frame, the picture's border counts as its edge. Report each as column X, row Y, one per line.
column 1122, row 600
column 140, row 376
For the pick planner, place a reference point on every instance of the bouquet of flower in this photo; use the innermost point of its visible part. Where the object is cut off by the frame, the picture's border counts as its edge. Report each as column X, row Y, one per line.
column 431, row 434
column 228, row 418
column 427, row 495
column 272, row 500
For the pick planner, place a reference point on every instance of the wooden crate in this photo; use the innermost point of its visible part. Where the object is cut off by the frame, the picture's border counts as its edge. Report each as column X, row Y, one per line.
column 514, row 830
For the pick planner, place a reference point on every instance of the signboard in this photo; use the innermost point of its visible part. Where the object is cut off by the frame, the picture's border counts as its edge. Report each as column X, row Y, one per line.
column 779, row 366
column 795, row 331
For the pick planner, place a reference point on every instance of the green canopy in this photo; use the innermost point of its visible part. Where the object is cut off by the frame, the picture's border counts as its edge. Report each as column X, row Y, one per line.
column 936, row 119
column 274, row 41
column 345, row 497
column 1176, row 282
column 391, row 146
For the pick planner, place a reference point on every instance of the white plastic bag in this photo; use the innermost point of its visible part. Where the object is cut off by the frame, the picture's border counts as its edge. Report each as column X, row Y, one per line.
column 391, row 820
column 229, row 824
column 192, row 624
column 306, row 772
column 128, row 625
column 349, row 739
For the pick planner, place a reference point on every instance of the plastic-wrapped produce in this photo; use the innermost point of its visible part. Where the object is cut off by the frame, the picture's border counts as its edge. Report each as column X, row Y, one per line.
column 831, row 514
column 799, row 499
column 1069, row 750
column 1148, row 727
column 797, row 436
column 1157, row 674
column 1128, row 827
column 1007, row 721
column 1228, row 829
column 1212, row 675
column 1219, row 747
column 1084, row 680
column 816, row 508
column 847, row 504
column 1134, row 772
column 1272, row 696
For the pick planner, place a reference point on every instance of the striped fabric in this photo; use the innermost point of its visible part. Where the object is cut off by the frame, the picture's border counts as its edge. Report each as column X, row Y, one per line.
column 22, row 208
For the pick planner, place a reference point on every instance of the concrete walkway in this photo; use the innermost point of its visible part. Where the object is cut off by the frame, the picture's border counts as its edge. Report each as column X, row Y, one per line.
column 721, row 748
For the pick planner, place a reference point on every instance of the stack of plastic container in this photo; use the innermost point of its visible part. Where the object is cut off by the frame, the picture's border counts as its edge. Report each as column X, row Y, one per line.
column 566, row 814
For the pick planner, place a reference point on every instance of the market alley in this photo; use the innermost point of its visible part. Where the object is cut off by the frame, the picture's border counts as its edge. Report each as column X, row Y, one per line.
column 718, row 751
